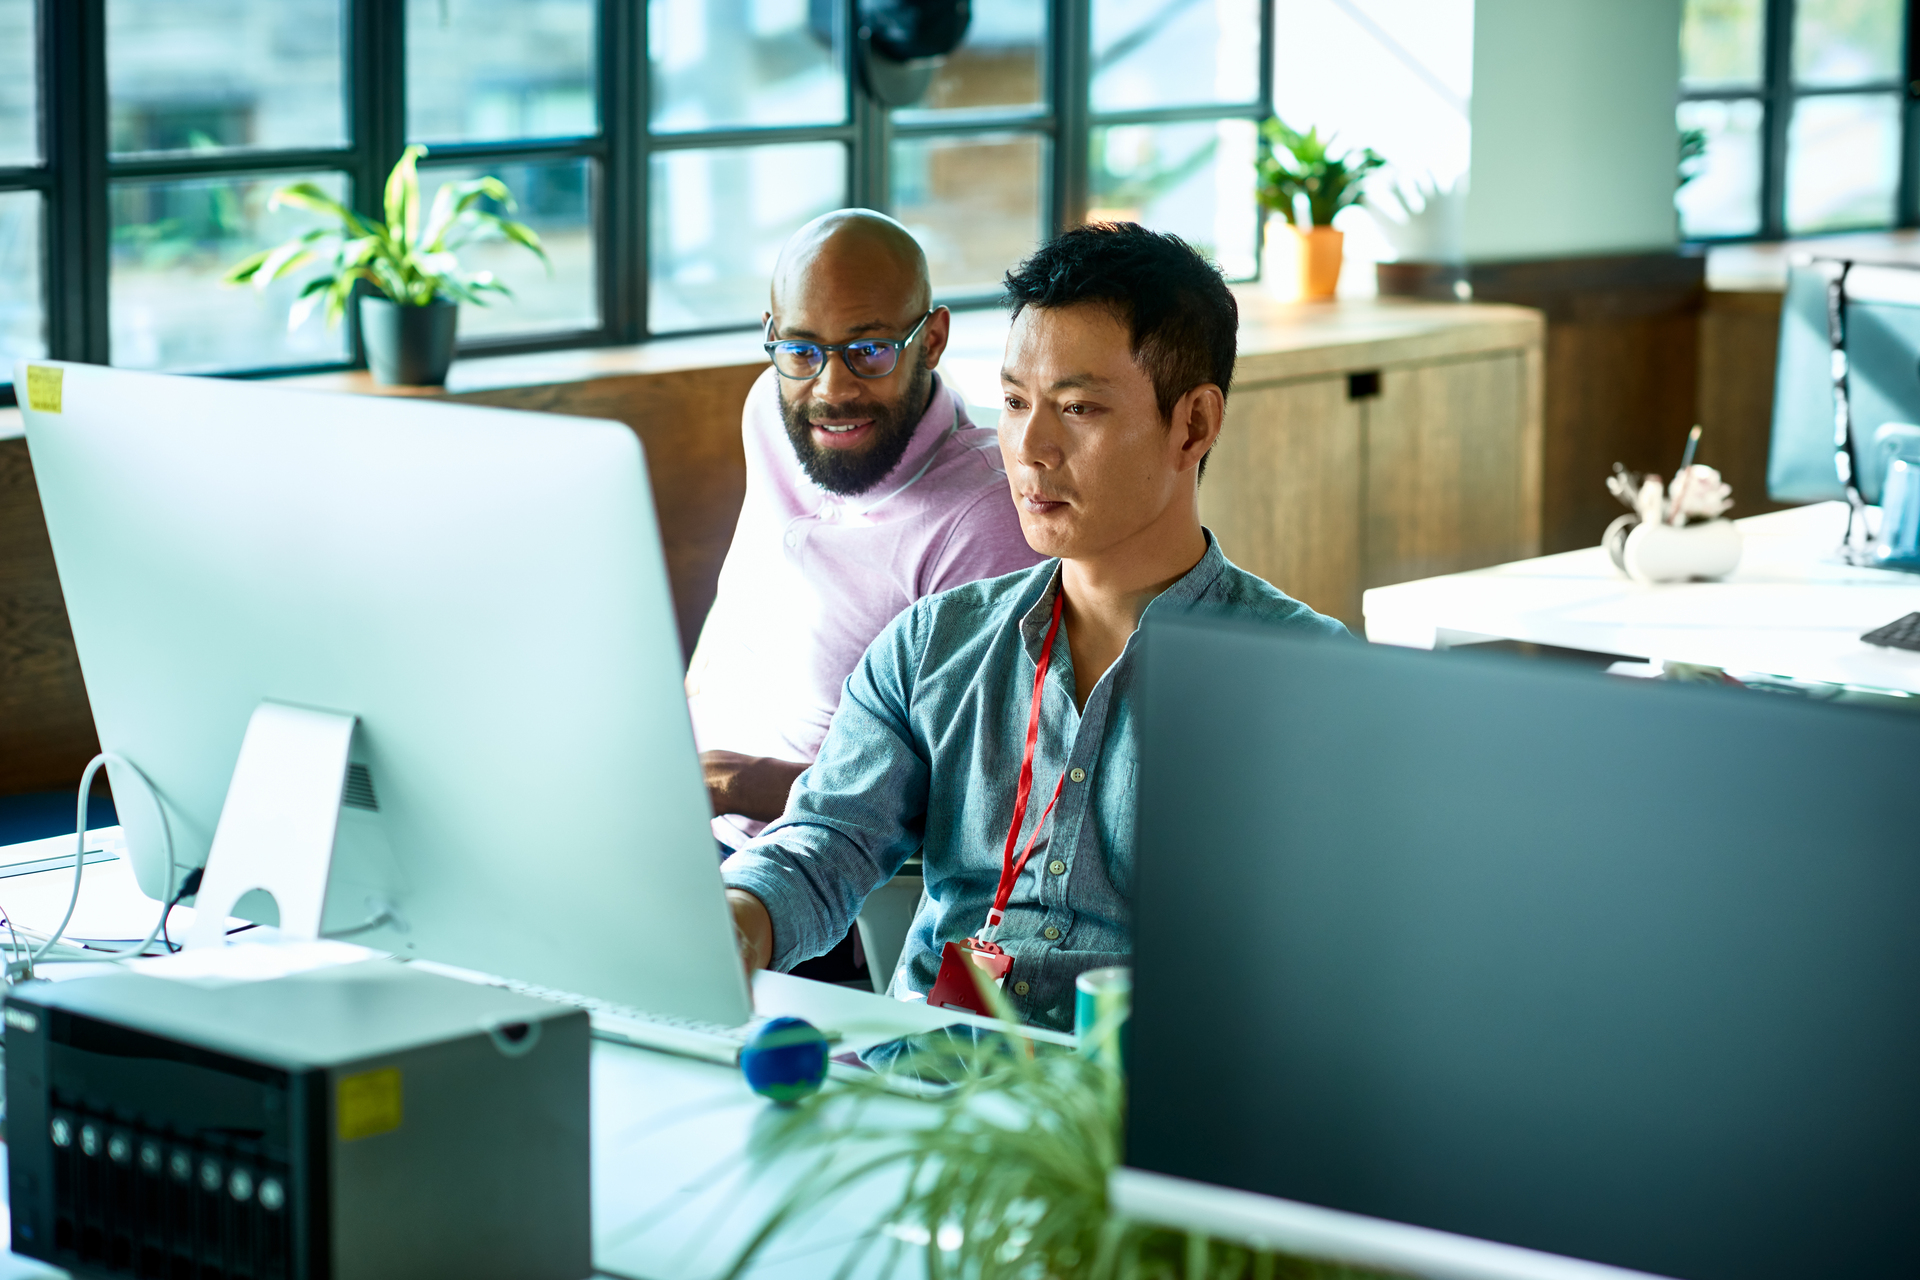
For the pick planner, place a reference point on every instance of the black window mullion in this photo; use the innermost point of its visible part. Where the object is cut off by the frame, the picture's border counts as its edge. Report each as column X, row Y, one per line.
column 1907, row 208
column 377, row 73
column 707, row 139
column 869, row 168
column 620, row 191
column 1267, row 21
column 1777, row 119
column 377, row 104
column 184, row 164
column 73, row 96
column 1265, row 103
column 1069, row 82
column 514, row 150
column 975, row 120
column 1176, row 115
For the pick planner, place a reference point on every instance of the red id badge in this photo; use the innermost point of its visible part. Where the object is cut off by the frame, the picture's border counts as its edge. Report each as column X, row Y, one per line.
column 958, row 987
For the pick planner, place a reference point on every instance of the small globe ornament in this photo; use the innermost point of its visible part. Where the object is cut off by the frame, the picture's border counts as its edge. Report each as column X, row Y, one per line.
column 786, row 1059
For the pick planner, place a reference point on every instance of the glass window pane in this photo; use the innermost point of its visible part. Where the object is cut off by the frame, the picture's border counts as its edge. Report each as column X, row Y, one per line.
column 224, row 74
column 1195, row 180
column 555, row 199
column 488, row 70
column 23, row 316
column 1722, row 43
column 723, row 64
column 1846, row 41
column 1843, row 162
column 997, row 65
column 972, row 202
column 1721, row 192
column 19, row 97
column 1169, row 53
column 716, row 221
column 173, row 240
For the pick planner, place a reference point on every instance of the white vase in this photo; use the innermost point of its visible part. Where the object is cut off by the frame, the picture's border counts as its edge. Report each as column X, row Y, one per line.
column 1666, row 553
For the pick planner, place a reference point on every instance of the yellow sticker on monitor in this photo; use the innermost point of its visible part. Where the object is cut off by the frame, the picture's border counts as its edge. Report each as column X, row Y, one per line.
column 368, row 1104
column 43, row 388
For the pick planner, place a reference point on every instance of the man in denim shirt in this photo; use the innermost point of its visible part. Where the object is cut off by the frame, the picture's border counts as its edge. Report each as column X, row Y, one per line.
column 1116, row 378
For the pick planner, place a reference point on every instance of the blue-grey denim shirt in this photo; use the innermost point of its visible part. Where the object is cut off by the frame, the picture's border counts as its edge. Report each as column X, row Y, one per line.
column 923, row 756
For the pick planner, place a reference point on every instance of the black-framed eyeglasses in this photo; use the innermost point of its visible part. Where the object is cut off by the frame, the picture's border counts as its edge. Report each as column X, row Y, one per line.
column 864, row 357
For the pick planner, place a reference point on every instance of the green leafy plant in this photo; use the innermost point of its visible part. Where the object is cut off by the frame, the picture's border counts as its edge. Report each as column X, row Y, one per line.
column 1292, row 164
column 411, row 260
column 1693, row 154
column 1003, row 1178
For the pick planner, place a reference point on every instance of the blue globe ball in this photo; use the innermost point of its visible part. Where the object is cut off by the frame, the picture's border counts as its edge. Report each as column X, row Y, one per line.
column 786, row 1059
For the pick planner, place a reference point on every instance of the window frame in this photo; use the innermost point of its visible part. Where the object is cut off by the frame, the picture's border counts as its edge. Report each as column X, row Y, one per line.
column 1777, row 95
column 76, row 170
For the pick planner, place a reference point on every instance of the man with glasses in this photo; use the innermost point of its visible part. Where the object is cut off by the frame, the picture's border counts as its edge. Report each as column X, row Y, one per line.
column 868, row 487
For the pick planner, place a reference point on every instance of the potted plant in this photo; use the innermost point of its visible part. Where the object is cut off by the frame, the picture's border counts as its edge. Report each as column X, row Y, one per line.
column 1298, row 177
column 1003, row 1177
column 410, row 267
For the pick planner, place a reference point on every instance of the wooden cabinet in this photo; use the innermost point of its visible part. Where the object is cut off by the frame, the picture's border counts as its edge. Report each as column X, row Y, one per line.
column 1283, row 487
column 1384, row 459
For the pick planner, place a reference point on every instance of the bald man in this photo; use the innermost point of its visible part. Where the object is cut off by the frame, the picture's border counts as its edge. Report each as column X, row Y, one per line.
column 867, row 488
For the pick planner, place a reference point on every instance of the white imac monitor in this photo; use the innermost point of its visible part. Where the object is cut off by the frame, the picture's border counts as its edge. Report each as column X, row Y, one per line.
column 450, row 631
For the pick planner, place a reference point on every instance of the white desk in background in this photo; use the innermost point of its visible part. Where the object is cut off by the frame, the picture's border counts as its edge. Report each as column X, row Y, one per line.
column 1791, row 609
column 678, row 1187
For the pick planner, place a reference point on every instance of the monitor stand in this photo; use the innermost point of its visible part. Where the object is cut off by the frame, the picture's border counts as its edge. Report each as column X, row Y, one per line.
column 277, row 826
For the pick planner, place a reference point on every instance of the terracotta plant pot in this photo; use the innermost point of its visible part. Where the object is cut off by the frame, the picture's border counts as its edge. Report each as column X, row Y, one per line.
column 1320, row 255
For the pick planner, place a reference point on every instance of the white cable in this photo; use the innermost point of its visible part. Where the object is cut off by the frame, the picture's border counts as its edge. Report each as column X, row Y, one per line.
column 80, row 857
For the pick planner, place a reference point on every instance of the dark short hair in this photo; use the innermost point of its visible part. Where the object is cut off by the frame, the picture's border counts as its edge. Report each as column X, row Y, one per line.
column 1180, row 315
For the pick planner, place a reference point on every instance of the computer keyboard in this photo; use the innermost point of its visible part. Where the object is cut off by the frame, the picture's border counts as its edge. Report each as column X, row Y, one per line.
column 686, row 1037
column 1904, row 633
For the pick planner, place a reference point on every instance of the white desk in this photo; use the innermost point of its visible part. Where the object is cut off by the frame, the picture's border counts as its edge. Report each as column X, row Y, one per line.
column 1791, row 609
column 678, row 1187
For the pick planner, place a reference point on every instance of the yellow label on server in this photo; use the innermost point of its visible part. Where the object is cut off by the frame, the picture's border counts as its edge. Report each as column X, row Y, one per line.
column 368, row 1104
column 43, row 388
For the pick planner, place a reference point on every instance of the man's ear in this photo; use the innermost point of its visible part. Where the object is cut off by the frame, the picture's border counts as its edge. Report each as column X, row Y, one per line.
column 1197, row 418
column 933, row 338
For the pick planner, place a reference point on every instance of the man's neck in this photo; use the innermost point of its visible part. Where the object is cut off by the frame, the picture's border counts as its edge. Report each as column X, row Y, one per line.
column 1105, row 594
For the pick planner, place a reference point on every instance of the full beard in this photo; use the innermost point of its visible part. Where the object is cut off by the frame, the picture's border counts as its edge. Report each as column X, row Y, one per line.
column 847, row 472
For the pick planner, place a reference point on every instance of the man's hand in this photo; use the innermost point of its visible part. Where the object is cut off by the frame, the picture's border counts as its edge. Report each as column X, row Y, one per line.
column 751, row 786
column 752, row 930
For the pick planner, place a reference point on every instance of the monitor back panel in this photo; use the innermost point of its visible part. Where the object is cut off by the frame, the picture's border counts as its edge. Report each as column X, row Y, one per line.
column 1613, row 970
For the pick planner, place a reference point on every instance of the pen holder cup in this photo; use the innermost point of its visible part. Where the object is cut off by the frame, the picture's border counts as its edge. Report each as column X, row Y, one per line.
column 1673, row 553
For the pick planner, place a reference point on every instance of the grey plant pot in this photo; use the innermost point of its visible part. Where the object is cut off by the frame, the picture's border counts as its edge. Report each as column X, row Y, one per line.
column 408, row 346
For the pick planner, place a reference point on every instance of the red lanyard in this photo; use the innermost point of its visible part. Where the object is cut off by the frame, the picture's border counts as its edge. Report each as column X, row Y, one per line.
column 1009, row 869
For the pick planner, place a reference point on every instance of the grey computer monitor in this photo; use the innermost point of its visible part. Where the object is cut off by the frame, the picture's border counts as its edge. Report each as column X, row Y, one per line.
column 483, row 589
column 1476, row 967
column 1881, row 326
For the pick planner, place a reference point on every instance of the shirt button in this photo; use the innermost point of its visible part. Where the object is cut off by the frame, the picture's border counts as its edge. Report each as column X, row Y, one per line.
column 793, row 539
column 1020, row 988
column 1058, row 867
column 1050, row 933
column 1078, row 775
